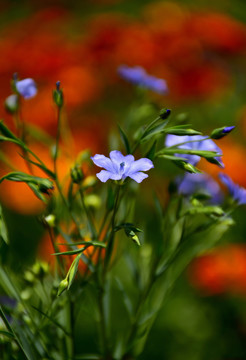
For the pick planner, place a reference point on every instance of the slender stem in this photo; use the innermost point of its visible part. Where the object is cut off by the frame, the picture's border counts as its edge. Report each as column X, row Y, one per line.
column 59, row 260
column 110, row 244
column 88, row 215
column 102, row 322
column 21, row 131
column 58, row 132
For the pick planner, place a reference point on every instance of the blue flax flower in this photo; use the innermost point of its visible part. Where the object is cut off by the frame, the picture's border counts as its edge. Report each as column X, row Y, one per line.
column 118, row 167
column 26, row 88
column 199, row 183
column 238, row 193
column 193, row 143
column 138, row 76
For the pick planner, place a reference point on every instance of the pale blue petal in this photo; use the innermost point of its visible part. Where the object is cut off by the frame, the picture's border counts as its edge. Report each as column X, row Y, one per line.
column 237, row 192
column 128, row 159
column 103, row 162
column 143, row 164
column 104, row 175
column 138, row 176
column 26, row 87
column 173, row 140
column 117, row 157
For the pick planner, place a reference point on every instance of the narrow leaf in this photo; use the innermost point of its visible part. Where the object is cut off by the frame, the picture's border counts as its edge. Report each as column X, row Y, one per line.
column 124, row 140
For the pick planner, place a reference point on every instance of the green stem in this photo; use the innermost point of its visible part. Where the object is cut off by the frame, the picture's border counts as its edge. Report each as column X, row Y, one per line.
column 102, row 322
column 88, row 216
column 58, row 132
column 110, row 244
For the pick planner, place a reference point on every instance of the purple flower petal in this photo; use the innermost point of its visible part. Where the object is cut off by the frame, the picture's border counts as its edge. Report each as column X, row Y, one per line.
column 143, row 164
column 104, row 175
column 26, row 88
column 116, row 156
column 202, row 183
column 103, row 161
column 138, row 176
column 237, row 192
column 196, row 142
column 119, row 166
column 138, row 76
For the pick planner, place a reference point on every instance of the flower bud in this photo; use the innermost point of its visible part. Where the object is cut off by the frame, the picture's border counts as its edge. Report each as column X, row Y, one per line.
column 182, row 132
column 62, row 287
column 45, row 186
column 164, row 113
column 186, row 166
column 50, row 220
column 190, row 168
column 221, row 132
column 12, row 104
column 58, row 95
column 76, row 174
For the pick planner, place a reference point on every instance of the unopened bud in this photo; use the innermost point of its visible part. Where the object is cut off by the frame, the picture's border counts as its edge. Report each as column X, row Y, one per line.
column 45, row 186
column 164, row 113
column 221, row 132
column 187, row 166
column 62, row 287
column 11, row 104
column 76, row 174
column 50, row 220
column 58, row 95
column 190, row 168
column 182, row 132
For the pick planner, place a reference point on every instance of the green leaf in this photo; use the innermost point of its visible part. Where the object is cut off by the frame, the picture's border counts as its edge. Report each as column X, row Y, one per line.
column 207, row 210
column 52, row 320
column 7, row 133
column 130, row 231
column 40, row 166
column 151, row 153
column 187, row 166
column 3, row 228
column 173, row 157
column 72, row 252
column 181, row 132
column 73, row 270
column 124, row 140
column 202, row 153
column 86, row 243
column 38, row 185
column 126, row 299
column 6, row 333
column 77, row 251
column 39, row 195
column 155, row 130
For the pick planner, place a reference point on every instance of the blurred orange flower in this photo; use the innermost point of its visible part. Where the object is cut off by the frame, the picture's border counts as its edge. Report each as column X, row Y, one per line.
column 220, row 271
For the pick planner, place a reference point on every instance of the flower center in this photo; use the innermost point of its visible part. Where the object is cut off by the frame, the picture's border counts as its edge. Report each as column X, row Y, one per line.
column 122, row 165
